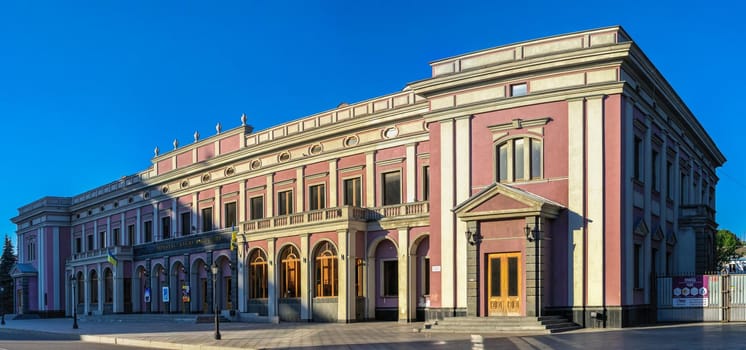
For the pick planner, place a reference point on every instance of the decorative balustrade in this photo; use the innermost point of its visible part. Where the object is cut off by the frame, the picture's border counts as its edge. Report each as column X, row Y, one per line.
column 339, row 214
column 101, row 253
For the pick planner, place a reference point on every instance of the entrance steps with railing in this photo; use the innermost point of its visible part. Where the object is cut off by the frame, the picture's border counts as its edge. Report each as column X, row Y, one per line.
column 508, row 324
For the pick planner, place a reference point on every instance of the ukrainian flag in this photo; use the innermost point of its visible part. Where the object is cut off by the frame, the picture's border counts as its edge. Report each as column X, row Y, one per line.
column 110, row 257
column 234, row 238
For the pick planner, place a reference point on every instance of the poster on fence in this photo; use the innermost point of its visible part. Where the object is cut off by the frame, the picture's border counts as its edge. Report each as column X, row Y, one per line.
column 690, row 291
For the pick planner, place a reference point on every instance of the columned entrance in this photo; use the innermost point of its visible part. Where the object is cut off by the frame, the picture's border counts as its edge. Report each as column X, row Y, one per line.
column 504, row 284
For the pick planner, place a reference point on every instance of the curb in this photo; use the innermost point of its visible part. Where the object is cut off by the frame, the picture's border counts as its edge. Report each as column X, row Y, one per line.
column 152, row 344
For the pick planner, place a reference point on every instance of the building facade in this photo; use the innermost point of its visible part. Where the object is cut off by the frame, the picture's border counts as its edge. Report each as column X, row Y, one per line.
column 554, row 176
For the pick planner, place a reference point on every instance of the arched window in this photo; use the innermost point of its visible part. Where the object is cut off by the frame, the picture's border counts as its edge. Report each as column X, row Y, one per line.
column 290, row 273
column 94, row 287
column 258, row 275
column 108, row 286
column 81, row 288
column 326, row 271
column 519, row 159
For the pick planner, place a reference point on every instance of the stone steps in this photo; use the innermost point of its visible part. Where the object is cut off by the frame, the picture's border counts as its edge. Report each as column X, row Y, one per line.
column 544, row 324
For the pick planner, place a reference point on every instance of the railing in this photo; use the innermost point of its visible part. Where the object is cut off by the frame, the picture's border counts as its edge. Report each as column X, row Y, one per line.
column 697, row 210
column 103, row 252
column 339, row 214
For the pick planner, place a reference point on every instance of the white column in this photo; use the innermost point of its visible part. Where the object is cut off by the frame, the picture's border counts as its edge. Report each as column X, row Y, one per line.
column 174, row 215
column 370, row 180
column 305, row 290
column 107, row 236
column 628, row 197
column 447, row 242
column 96, row 243
column 99, row 273
column 270, row 196
column 156, row 224
column 463, row 192
column 241, row 206
column 218, row 208
column 576, row 200
column 595, row 182
column 411, row 166
column 138, row 226
column 122, row 227
column 56, row 279
column 403, row 272
column 195, row 213
column 333, row 183
column 272, row 295
column 87, row 291
column 345, row 310
column 300, row 186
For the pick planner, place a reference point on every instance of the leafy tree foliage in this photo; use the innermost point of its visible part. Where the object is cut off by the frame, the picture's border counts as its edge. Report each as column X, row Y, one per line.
column 727, row 245
column 7, row 261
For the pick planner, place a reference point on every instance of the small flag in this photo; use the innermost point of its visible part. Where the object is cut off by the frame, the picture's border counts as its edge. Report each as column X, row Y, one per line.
column 110, row 257
column 234, row 239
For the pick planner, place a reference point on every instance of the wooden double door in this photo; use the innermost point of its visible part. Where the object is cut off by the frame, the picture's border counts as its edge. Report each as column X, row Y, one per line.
column 504, row 284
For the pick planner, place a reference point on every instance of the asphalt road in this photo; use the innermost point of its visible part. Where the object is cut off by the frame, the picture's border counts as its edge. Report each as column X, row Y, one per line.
column 11, row 339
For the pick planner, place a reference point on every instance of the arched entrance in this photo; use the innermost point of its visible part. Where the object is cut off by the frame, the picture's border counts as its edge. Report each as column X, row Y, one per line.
column 384, row 289
column 325, row 282
column 158, row 281
column 198, row 282
column 420, row 253
column 180, row 289
column 288, row 285
column 93, row 291
column 108, row 291
column 224, row 284
column 258, row 283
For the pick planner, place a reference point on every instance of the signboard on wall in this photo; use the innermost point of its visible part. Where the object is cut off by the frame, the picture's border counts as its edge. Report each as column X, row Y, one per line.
column 165, row 295
column 690, row 291
column 147, row 294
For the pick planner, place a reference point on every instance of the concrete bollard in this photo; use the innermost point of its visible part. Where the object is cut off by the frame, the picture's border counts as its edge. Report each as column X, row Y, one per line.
column 477, row 342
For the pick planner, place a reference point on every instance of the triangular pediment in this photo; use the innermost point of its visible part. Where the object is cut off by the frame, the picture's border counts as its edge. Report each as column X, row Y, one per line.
column 641, row 228
column 20, row 270
column 503, row 201
column 671, row 238
column 657, row 234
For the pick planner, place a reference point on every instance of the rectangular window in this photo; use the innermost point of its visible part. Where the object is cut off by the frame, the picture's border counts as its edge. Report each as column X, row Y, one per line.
column 317, row 197
column 535, row 159
column 518, row 164
column 512, row 276
column 391, row 188
column 496, row 270
column 102, row 239
column 207, row 219
column 654, row 165
column 166, row 227
column 230, row 215
column 638, row 266
column 670, row 180
column 131, row 234
column 116, row 237
column 682, row 190
column 518, row 89
column 390, row 278
column 78, row 245
column 426, row 183
column 285, row 203
column 186, row 223
column 257, row 208
column 148, row 231
column 352, row 195
column 502, row 165
column 359, row 268
column 638, row 159
column 89, row 246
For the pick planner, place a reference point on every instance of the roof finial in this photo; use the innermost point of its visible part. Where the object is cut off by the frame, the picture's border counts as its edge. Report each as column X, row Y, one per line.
column 176, row 143
column 218, row 128
column 196, row 136
column 243, row 119
column 155, row 151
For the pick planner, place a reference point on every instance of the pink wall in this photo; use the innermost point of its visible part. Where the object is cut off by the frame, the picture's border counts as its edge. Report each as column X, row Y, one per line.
column 504, row 236
column 165, row 166
column 183, row 159
column 230, row 144
column 435, row 212
column 205, row 152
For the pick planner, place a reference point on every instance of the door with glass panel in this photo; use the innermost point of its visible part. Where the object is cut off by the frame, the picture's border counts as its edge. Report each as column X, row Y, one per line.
column 504, row 284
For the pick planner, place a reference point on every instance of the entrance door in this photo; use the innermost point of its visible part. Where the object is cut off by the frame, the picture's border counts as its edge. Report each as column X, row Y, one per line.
column 203, row 296
column 503, row 284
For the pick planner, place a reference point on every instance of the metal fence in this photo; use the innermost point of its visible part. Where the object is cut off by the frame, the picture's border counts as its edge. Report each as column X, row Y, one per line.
column 725, row 298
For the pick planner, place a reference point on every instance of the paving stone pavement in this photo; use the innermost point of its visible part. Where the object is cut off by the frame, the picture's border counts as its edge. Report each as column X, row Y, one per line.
column 180, row 332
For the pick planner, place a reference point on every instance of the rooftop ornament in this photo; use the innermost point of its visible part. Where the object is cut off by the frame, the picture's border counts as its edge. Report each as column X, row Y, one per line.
column 243, row 119
column 155, row 151
column 218, row 128
column 176, row 143
column 196, row 136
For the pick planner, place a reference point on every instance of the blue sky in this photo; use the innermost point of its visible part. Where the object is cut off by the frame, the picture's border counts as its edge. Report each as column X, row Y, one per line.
column 88, row 89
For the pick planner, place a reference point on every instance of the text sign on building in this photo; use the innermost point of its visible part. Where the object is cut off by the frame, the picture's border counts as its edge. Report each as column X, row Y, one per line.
column 690, row 291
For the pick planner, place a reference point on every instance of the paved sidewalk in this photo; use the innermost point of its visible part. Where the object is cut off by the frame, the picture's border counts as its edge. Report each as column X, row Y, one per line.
column 176, row 332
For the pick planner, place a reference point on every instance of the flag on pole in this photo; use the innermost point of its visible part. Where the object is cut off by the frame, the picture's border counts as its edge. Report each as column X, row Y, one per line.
column 110, row 257
column 234, row 238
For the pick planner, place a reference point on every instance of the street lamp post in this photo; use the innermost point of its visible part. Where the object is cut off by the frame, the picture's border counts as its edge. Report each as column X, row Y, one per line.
column 214, row 268
column 74, row 282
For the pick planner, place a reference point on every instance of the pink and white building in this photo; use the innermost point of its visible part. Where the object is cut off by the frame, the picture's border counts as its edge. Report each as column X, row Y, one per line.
column 553, row 176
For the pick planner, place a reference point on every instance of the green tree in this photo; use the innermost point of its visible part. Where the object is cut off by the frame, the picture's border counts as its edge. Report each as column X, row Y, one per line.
column 7, row 261
column 727, row 245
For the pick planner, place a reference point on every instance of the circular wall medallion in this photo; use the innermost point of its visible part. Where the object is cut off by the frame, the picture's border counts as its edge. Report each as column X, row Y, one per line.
column 164, row 189
column 146, row 195
column 351, row 141
column 256, row 164
column 315, row 149
column 206, row 178
column 284, row 156
column 391, row 133
column 185, row 184
column 230, row 171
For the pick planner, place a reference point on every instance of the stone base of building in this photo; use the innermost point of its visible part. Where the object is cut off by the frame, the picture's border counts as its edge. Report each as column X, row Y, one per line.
column 433, row 314
column 606, row 317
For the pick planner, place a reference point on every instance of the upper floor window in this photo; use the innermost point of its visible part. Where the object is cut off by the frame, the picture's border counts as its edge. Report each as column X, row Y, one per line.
column 230, row 215
column 426, row 183
column 519, row 159
column 31, row 250
column 207, row 219
column 352, row 192
column 115, row 233
column 391, row 188
column 317, row 197
column 285, row 202
column 670, row 180
column 102, row 239
column 148, row 231
column 166, row 227
column 78, row 245
column 131, row 234
column 89, row 245
column 186, row 223
column 257, row 208
column 654, row 164
column 518, row 89
column 638, row 167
